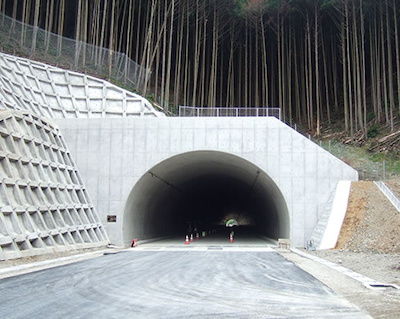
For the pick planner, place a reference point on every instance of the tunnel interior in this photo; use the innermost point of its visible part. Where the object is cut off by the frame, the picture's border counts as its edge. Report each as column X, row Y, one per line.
column 204, row 189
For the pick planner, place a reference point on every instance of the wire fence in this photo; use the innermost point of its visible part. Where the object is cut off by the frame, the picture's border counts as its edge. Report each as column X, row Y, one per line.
column 38, row 44
column 370, row 167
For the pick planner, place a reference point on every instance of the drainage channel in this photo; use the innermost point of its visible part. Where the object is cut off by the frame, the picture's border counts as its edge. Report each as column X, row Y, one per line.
column 215, row 248
column 383, row 286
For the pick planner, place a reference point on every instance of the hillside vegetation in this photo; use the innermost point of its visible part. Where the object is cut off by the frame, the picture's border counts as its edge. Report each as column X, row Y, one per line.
column 319, row 60
column 376, row 157
column 333, row 66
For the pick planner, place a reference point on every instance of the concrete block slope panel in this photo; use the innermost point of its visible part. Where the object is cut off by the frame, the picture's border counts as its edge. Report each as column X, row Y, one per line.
column 289, row 178
column 44, row 206
column 56, row 93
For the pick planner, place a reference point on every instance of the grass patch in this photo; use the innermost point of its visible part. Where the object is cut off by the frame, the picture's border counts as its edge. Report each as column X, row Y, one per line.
column 370, row 166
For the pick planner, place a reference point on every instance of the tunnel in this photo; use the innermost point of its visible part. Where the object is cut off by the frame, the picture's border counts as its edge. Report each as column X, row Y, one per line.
column 203, row 190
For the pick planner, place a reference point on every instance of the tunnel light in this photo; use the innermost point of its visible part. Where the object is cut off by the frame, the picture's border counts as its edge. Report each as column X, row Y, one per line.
column 231, row 223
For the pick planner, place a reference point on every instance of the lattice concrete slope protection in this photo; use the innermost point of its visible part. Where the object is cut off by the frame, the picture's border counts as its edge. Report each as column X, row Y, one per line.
column 55, row 93
column 44, row 204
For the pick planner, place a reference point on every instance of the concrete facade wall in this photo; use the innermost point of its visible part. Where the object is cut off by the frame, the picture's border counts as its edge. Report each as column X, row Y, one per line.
column 113, row 154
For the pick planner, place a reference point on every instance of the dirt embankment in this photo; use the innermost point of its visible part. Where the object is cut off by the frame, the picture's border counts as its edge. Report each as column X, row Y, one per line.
column 369, row 242
column 372, row 223
column 394, row 187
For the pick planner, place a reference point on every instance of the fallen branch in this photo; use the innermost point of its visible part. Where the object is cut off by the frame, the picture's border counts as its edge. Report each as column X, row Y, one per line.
column 384, row 139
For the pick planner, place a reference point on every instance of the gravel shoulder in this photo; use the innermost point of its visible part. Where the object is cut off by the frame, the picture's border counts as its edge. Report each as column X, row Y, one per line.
column 384, row 268
column 369, row 244
column 70, row 255
column 369, row 241
column 377, row 303
column 394, row 186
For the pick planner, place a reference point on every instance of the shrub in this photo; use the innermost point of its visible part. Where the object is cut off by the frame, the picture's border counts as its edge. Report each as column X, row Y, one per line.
column 373, row 131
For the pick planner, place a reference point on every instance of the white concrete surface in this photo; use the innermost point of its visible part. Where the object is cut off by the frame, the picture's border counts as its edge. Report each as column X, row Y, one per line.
column 115, row 154
column 335, row 221
column 53, row 92
column 44, row 206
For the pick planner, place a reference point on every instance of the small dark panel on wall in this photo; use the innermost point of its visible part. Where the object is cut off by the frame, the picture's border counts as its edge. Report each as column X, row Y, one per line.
column 111, row 218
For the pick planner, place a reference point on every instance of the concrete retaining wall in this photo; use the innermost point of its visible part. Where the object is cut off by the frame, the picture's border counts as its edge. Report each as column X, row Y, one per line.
column 44, row 206
column 56, row 93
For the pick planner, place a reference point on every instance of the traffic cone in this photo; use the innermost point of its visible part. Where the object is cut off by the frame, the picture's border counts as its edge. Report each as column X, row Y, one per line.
column 197, row 235
column 191, row 237
column 187, row 240
column 134, row 242
column 231, row 238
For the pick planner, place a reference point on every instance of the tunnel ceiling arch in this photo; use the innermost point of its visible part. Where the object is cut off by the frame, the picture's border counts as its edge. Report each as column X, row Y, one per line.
column 207, row 188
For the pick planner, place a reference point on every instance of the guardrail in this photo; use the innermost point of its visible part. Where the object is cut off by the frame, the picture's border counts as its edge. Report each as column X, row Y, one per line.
column 196, row 111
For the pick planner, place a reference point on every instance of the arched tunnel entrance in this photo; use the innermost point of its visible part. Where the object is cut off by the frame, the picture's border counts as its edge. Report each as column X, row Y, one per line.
column 204, row 189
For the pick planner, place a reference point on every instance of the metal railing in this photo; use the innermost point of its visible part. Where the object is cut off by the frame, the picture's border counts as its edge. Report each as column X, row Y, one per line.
column 389, row 194
column 196, row 111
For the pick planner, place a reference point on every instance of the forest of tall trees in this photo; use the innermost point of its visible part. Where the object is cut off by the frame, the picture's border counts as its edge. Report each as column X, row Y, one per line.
column 319, row 60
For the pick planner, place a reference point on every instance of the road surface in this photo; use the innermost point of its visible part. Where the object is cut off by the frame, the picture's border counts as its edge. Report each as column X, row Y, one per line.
column 211, row 282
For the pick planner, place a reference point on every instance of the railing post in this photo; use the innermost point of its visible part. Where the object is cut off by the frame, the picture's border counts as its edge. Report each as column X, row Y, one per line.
column 384, row 170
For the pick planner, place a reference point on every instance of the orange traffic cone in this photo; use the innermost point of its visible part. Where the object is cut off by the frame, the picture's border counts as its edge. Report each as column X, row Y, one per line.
column 191, row 237
column 134, row 242
column 187, row 240
column 231, row 238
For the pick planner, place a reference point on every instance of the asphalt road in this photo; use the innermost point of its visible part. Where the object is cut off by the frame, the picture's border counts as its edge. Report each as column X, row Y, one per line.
column 173, row 284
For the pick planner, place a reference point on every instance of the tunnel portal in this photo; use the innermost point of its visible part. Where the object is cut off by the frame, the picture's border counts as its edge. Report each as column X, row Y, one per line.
column 157, row 174
column 204, row 189
column 148, row 175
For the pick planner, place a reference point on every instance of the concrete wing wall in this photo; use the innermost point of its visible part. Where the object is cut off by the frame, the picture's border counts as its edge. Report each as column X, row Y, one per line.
column 56, row 93
column 44, row 206
column 114, row 154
